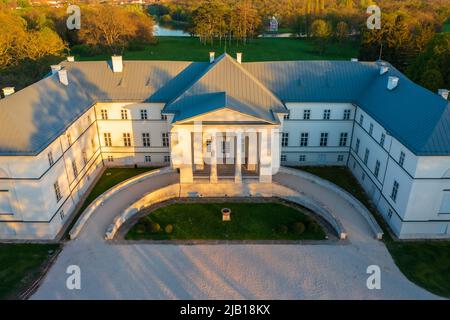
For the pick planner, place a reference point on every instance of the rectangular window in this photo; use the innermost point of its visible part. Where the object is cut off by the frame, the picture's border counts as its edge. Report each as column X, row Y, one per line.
column 110, row 159
column 144, row 114
column 69, row 138
column 57, row 191
column 165, row 139
column 306, row 114
column 75, row 169
column 163, row 116
column 127, row 139
column 208, row 145
column 377, row 169
column 324, row 139
column 383, row 138
column 61, row 215
column 347, row 114
column 366, row 156
column 371, row 129
column 124, row 114
column 50, row 158
column 343, row 139
column 361, row 120
column 302, row 158
column 286, row 117
column 104, row 114
column 146, row 139
column 89, row 120
column 326, row 114
column 357, row 146
column 85, row 158
column 284, row 139
column 340, row 158
column 401, row 160
column 394, row 191
column 107, row 137
column 166, row 158
column 304, row 136
column 93, row 143
column 148, row 158
column 283, row 158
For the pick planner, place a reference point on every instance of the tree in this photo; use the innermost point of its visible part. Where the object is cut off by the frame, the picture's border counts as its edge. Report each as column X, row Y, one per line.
column 432, row 79
column 113, row 27
column 321, row 30
column 244, row 21
column 17, row 43
column 342, row 30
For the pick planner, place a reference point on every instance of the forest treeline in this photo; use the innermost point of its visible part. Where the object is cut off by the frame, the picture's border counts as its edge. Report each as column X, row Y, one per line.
column 410, row 36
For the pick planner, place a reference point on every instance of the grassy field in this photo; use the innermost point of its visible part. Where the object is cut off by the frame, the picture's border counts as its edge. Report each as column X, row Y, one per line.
column 249, row 221
column 20, row 265
column 190, row 49
column 426, row 263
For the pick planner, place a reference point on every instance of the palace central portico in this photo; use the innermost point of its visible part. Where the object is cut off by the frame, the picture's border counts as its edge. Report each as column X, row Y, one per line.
column 225, row 126
column 220, row 151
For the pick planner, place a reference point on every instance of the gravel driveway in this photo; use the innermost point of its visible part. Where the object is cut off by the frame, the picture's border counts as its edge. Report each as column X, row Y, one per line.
column 143, row 271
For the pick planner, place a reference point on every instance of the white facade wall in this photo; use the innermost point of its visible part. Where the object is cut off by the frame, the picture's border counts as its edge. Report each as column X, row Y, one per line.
column 29, row 208
column 314, row 154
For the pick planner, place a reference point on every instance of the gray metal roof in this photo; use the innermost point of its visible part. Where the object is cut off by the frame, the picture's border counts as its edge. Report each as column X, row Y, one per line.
column 33, row 117
column 243, row 92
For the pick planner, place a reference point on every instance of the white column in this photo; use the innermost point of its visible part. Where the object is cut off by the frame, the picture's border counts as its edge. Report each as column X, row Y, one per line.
column 238, row 158
column 198, row 150
column 252, row 151
column 265, row 157
column 185, row 143
column 213, row 175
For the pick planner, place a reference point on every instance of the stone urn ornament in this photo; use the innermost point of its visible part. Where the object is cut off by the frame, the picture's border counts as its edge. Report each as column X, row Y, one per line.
column 226, row 214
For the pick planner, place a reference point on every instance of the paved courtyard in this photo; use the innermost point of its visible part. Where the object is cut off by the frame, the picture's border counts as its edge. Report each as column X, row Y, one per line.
column 146, row 271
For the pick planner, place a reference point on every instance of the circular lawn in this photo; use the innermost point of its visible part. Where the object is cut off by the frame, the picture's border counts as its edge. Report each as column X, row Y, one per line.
column 249, row 221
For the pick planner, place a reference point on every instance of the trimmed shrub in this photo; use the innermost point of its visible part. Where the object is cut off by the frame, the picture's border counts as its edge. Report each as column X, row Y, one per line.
column 298, row 227
column 168, row 229
column 313, row 226
column 282, row 229
column 152, row 226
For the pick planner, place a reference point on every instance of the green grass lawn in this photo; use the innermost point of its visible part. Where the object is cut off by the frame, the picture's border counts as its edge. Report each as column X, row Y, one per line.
column 20, row 265
column 190, row 49
column 110, row 178
column 426, row 263
column 249, row 221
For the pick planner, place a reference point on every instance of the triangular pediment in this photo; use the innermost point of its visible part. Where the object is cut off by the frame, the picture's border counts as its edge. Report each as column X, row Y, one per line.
column 224, row 115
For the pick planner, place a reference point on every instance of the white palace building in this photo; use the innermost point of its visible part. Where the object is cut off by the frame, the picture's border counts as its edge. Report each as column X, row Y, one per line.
column 57, row 135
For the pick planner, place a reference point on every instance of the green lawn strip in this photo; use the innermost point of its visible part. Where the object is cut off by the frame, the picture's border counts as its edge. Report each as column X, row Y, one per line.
column 249, row 221
column 265, row 49
column 110, row 178
column 426, row 263
column 21, row 265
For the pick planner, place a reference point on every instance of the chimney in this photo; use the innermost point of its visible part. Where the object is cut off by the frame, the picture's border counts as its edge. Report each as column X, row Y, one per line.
column 354, row 60
column 442, row 92
column 384, row 70
column 7, row 91
column 62, row 74
column 239, row 57
column 211, row 57
column 55, row 68
column 70, row 58
column 392, row 83
column 117, row 64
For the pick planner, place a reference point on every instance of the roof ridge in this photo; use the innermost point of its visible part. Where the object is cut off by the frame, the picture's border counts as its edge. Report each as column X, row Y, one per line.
column 259, row 83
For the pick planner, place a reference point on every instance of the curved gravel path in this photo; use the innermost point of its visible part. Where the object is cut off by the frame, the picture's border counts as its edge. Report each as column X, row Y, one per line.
column 142, row 271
